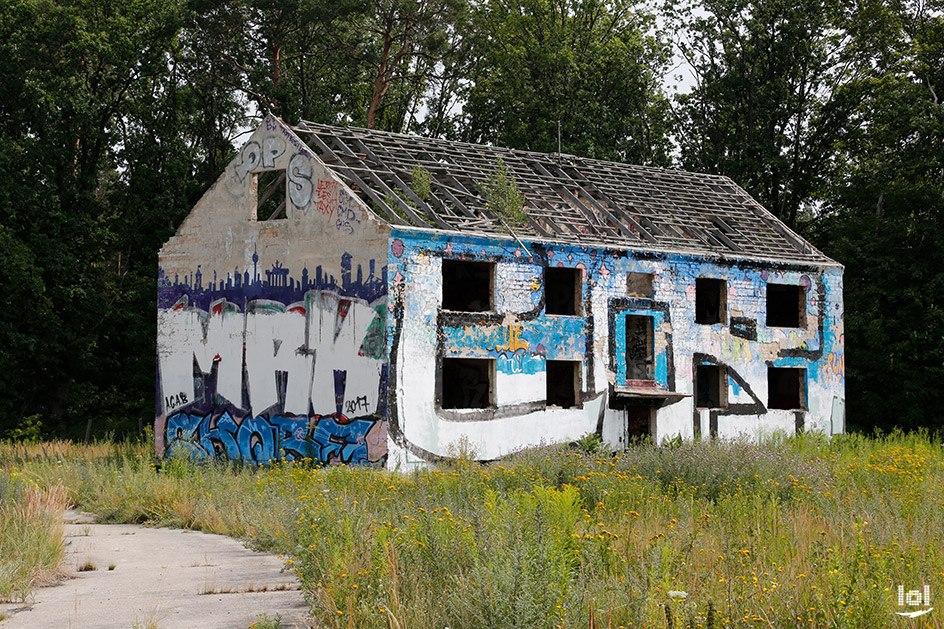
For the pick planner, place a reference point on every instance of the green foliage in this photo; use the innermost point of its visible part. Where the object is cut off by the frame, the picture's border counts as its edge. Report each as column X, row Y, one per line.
column 884, row 220
column 775, row 84
column 29, row 430
column 591, row 443
column 75, row 73
column 421, row 182
column 264, row 621
column 593, row 66
column 502, row 196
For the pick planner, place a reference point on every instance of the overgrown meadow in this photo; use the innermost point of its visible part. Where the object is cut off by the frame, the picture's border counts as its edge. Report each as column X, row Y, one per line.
column 793, row 532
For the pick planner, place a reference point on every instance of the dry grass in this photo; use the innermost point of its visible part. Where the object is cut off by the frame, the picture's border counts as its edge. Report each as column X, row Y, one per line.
column 32, row 538
column 794, row 532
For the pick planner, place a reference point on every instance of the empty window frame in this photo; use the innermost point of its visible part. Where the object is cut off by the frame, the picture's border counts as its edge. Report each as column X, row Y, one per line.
column 467, row 285
column 786, row 306
column 639, row 348
column 710, row 301
column 468, row 382
column 786, row 388
column 639, row 285
column 562, row 288
column 563, row 383
column 711, row 389
column 270, row 195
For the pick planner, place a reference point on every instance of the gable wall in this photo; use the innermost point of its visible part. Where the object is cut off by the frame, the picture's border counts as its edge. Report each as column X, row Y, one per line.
column 520, row 337
column 270, row 333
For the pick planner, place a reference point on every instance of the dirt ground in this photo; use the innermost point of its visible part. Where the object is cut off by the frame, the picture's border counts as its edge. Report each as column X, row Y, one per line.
column 132, row 576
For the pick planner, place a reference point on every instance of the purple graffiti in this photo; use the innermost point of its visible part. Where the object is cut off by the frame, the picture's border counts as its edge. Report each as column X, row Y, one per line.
column 275, row 282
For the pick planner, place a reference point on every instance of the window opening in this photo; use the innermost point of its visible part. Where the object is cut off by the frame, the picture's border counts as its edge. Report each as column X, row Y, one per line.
column 639, row 284
column 639, row 350
column 786, row 306
column 786, row 388
column 467, row 286
column 710, row 300
column 563, row 383
column 561, row 291
column 710, row 386
column 270, row 200
column 467, row 382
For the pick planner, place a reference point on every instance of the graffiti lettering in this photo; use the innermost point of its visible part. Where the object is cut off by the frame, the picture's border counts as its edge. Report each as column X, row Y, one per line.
column 249, row 159
column 514, row 342
column 326, row 196
column 323, row 439
column 835, row 366
column 273, row 356
column 360, row 404
column 273, row 125
column 175, row 401
column 299, row 181
column 272, row 148
column 375, row 340
column 347, row 214
column 520, row 363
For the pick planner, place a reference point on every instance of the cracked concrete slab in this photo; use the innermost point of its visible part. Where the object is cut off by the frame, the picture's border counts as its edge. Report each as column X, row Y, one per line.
column 132, row 576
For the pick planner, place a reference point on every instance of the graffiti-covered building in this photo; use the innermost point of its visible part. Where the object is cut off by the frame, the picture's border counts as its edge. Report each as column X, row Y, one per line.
column 359, row 296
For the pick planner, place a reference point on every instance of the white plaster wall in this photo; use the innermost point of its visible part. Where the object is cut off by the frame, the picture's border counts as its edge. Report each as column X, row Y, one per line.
column 816, row 347
column 254, row 301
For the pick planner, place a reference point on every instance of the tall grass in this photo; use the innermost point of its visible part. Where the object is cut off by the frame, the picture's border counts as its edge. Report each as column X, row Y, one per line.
column 32, row 541
column 799, row 531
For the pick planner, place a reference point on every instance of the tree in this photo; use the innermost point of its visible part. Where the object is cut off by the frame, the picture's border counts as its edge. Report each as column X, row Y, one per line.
column 282, row 55
column 589, row 65
column 884, row 219
column 400, row 43
column 74, row 74
column 774, row 85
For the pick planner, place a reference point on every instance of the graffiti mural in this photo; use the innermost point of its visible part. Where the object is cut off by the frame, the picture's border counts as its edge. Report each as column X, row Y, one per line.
column 321, row 439
column 640, row 352
column 263, row 364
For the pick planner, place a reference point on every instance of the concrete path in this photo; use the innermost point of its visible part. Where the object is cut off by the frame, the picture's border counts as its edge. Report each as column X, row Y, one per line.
column 160, row 579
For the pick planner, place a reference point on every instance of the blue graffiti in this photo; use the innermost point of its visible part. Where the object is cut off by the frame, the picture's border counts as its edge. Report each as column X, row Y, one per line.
column 324, row 439
column 520, row 362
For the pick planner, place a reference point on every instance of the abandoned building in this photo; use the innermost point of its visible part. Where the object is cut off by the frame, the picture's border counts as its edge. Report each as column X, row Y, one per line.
column 357, row 296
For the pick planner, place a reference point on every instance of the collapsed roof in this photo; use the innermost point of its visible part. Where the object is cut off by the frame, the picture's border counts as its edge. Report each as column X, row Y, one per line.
column 568, row 199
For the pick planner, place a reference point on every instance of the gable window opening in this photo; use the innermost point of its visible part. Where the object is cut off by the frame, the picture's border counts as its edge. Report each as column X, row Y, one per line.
column 710, row 301
column 270, row 195
column 639, row 348
column 563, row 383
column 639, row 285
column 786, row 388
column 468, row 286
column 468, row 383
column 786, row 306
column 562, row 288
column 711, row 386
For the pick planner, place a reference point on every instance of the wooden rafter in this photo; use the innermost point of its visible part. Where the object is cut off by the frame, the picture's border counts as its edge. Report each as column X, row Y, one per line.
column 567, row 198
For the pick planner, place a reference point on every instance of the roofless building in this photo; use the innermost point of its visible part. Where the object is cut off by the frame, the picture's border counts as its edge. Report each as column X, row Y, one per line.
column 357, row 296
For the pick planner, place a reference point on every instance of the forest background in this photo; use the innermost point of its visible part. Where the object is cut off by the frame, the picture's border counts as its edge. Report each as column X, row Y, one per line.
column 116, row 115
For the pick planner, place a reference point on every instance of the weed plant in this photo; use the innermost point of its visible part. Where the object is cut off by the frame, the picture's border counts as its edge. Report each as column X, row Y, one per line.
column 792, row 532
column 32, row 540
